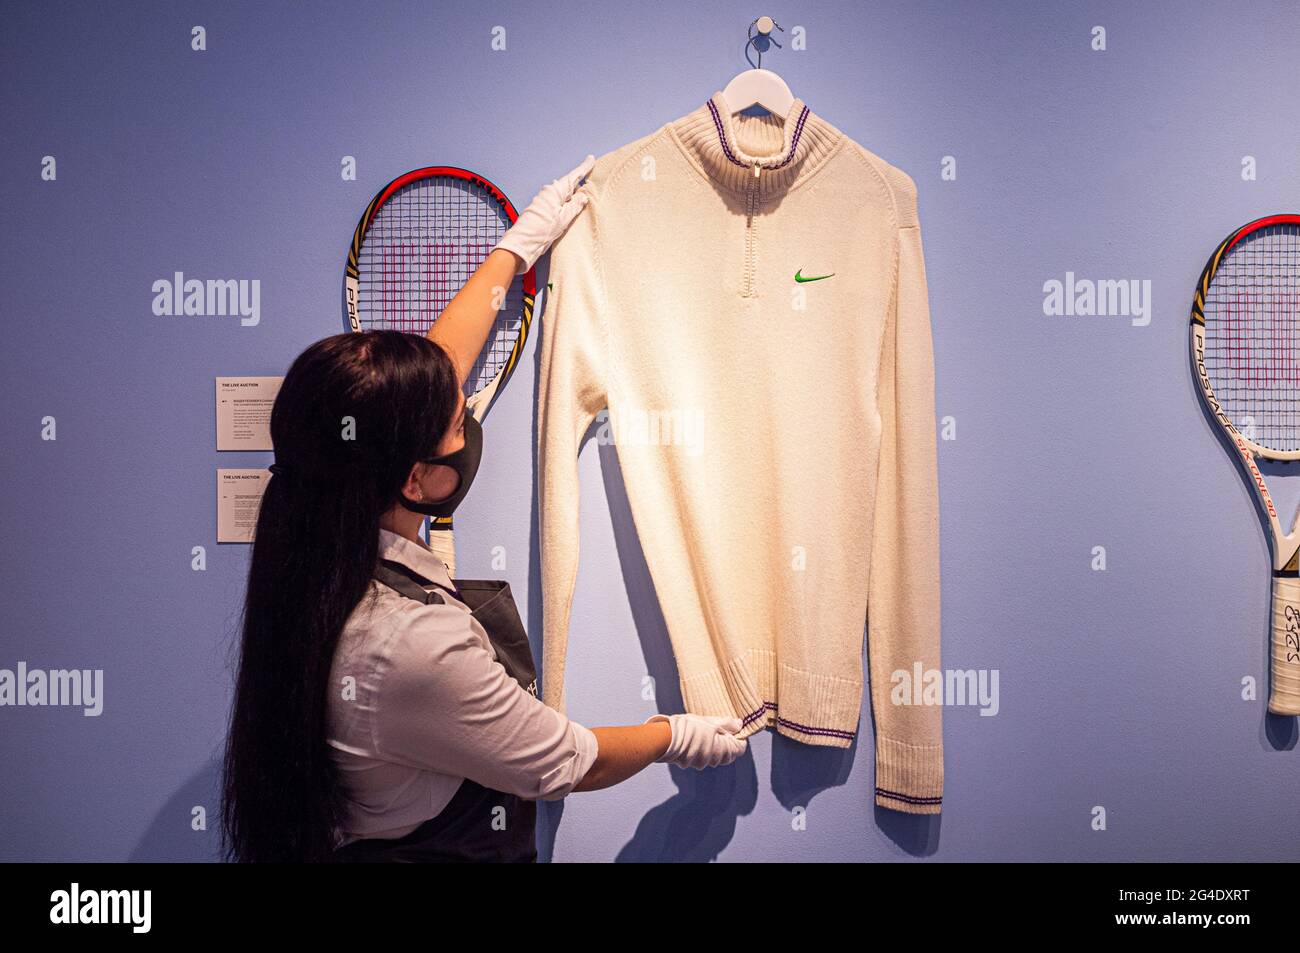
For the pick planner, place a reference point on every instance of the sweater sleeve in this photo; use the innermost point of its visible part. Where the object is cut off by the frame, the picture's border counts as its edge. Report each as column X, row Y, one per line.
column 571, row 391
column 903, row 591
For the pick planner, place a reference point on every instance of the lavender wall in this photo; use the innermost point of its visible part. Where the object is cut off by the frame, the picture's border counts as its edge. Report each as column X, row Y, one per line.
column 1119, row 688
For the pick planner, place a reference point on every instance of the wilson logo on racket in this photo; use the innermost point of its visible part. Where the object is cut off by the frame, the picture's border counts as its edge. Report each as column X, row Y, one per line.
column 799, row 276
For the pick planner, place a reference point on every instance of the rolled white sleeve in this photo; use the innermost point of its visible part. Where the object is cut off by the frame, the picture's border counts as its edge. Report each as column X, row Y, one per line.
column 445, row 704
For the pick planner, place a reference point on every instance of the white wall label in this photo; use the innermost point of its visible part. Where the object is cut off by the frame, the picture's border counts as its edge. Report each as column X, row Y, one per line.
column 244, row 412
column 239, row 495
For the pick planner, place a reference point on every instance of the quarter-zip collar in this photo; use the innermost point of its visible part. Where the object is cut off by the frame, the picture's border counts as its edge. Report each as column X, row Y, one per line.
column 726, row 148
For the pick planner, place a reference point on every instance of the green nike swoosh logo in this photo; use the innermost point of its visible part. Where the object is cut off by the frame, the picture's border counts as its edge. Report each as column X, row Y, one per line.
column 798, row 276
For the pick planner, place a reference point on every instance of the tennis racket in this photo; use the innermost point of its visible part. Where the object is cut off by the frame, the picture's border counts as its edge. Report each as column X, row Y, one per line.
column 1246, row 358
column 416, row 245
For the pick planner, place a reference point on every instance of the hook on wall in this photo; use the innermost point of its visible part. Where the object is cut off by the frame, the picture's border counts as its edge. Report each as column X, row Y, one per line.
column 760, row 38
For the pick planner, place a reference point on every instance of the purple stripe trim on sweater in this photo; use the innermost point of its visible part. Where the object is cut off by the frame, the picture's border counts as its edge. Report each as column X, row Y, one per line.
column 726, row 149
column 806, row 729
column 757, row 713
column 909, row 798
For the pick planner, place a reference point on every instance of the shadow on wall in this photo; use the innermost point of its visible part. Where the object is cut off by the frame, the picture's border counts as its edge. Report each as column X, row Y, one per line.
column 171, row 837
column 698, row 822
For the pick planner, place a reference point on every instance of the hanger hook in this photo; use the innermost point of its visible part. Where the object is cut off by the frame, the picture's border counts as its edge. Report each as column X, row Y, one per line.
column 764, row 26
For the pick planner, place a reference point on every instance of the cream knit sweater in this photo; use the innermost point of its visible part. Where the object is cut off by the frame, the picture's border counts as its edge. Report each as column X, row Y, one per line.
column 776, row 434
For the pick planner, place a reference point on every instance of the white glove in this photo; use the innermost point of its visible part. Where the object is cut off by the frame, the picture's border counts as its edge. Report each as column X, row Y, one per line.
column 547, row 216
column 701, row 741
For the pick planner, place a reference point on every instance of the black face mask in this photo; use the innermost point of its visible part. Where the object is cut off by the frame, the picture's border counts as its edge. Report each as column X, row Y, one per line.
column 464, row 461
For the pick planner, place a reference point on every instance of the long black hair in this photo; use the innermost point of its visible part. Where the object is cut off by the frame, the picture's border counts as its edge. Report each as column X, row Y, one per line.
column 354, row 414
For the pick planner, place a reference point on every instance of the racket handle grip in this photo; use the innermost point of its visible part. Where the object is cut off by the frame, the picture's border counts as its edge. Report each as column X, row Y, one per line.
column 1284, row 693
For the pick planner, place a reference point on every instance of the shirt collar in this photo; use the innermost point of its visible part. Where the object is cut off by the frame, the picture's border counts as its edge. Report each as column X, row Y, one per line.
column 413, row 555
column 726, row 147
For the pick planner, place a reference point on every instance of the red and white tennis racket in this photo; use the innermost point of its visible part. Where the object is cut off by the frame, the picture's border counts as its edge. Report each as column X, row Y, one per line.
column 1246, row 357
column 417, row 243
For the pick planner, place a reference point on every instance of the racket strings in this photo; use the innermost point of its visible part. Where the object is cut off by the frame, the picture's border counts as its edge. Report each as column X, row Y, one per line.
column 1252, row 336
column 420, row 250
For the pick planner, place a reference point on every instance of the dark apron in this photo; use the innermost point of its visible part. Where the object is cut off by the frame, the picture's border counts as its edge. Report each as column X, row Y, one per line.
column 464, row 830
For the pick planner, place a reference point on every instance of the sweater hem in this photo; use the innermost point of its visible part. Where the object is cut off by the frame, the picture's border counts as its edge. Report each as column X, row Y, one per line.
column 909, row 777
column 908, row 804
column 815, row 709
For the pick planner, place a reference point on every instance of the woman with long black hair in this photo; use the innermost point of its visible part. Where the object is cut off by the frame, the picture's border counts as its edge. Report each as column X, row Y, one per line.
column 384, row 711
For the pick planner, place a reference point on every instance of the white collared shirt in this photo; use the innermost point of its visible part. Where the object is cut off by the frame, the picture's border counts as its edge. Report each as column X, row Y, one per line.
column 418, row 703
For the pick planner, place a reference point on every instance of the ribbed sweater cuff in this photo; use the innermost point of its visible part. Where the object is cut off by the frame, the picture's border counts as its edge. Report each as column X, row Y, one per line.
column 909, row 778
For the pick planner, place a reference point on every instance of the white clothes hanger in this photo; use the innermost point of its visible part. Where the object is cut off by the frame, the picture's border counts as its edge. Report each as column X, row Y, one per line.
column 758, row 86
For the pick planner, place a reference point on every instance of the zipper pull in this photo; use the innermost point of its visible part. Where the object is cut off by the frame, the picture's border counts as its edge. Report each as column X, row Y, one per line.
column 756, row 170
